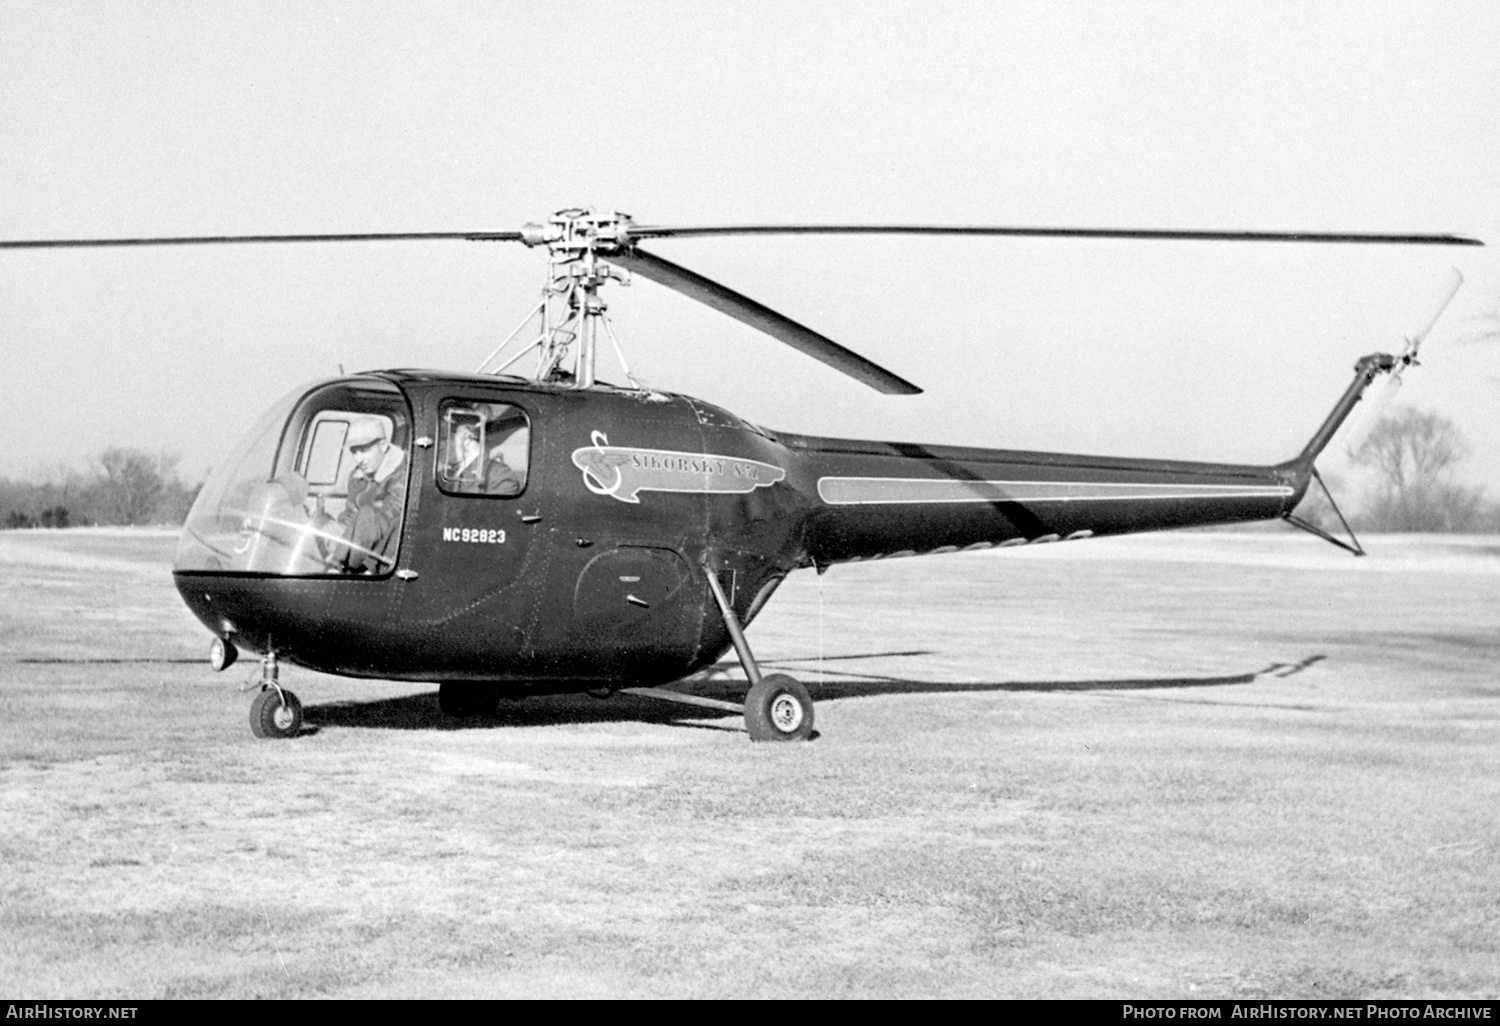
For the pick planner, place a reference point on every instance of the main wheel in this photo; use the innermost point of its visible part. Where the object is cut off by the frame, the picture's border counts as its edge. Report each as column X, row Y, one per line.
column 779, row 709
column 456, row 699
column 270, row 716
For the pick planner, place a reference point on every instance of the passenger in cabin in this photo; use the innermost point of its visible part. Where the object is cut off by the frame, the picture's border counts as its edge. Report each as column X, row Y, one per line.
column 469, row 472
column 371, row 519
column 464, row 470
column 499, row 478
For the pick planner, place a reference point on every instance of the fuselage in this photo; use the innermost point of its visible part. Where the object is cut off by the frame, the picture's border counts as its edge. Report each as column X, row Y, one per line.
column 572, row 551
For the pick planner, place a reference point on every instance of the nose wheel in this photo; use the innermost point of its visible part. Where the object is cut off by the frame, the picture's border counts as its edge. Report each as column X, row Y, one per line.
column 275, row 712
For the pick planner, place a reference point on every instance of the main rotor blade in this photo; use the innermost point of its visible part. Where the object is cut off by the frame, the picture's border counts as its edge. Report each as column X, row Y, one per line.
column 665, row 232
column 203, row 240
column 748, row 311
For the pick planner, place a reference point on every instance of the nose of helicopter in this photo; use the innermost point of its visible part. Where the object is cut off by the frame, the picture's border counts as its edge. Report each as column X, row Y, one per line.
column 235, row 614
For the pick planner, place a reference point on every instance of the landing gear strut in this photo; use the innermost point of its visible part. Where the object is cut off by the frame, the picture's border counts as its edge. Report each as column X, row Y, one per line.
column 275, row 711
column 778, row 707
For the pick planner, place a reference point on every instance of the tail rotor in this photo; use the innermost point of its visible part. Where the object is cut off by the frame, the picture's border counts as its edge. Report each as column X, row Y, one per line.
column 1375, row 406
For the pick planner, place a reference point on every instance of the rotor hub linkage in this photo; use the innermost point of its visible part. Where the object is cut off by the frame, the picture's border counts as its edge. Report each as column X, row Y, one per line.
column 569, row 234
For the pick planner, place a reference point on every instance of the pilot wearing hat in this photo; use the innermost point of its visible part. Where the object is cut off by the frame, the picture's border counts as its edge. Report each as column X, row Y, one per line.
column 371, row 518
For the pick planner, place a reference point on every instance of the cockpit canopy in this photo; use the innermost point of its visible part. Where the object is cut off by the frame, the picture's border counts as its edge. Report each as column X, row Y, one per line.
column 316, row 487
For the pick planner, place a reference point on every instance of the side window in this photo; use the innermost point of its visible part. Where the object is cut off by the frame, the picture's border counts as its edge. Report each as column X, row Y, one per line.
column 485, row 448
column 325, row 458
column 347, row 490
column 325, row 453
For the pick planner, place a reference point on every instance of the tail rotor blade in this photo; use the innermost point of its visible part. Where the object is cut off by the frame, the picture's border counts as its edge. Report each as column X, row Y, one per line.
column 1373, row 408
column 1449, row 288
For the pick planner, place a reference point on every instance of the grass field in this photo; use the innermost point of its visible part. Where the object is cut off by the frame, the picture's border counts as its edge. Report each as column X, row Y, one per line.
column 1201, row 765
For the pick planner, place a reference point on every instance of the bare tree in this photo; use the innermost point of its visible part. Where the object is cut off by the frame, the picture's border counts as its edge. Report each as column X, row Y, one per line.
column 127, row 486
column 131, row 484
column 1414, row 454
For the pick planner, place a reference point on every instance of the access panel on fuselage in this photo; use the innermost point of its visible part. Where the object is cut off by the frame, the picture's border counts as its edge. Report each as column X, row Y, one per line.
column 639, row 598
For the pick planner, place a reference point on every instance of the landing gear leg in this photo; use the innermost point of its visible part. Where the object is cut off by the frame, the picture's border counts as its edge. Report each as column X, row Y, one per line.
column 275, row 711
column 778, row 707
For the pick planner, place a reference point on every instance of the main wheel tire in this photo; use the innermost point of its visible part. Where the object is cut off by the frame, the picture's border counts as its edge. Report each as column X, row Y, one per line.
column 270, row 716
column 455, row 699
column 779, row 709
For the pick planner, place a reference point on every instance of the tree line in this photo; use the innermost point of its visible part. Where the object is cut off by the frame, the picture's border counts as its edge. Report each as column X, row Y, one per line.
column 1410, row 461
column 120, row 486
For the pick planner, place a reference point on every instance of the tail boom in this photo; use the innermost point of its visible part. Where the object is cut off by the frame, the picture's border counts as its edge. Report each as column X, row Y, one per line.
column 879, row 500
column 1366, row 371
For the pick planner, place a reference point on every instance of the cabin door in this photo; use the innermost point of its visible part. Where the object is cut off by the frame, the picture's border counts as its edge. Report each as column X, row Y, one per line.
column 476, row 516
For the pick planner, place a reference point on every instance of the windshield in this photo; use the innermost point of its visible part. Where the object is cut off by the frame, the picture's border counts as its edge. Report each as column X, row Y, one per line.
column 316, row 487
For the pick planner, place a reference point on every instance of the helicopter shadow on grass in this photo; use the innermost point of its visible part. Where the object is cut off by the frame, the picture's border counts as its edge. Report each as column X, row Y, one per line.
column 421, row 712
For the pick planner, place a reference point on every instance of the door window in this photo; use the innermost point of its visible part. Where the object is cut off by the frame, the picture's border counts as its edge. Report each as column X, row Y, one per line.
column 485, row 448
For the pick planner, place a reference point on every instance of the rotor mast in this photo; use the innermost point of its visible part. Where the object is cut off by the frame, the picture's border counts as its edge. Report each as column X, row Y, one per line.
column 572, row 310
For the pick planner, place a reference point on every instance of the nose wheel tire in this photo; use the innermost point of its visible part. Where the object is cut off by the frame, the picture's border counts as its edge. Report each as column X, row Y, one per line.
column 275, row 714
column 779, row 709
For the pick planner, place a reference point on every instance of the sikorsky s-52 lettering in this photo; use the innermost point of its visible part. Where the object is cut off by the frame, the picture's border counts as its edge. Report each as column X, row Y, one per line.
column 510, row 535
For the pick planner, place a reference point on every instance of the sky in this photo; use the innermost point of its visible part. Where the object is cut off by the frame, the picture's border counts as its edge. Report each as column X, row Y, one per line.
column 173, row 118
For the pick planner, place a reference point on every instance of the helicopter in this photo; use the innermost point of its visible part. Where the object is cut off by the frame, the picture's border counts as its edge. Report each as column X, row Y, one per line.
column 504, row 534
